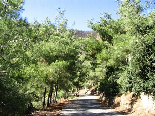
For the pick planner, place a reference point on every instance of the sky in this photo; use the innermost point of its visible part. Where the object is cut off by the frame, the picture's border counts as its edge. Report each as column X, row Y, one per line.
column 77, row 11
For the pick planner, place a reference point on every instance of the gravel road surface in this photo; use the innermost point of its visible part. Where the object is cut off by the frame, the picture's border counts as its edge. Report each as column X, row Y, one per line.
column 87, row 106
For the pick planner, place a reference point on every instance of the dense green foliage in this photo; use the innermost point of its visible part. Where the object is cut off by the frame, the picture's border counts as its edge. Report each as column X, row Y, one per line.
column 128, row 58
column 42, row 63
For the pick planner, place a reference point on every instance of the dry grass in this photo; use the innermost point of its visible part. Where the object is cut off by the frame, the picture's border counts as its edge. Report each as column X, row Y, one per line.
column 53, row 109
column 135, row 108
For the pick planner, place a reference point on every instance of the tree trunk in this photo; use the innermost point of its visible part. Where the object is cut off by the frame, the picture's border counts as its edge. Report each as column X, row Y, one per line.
column 49, row 96
column 86, row 90
column 44, row 95
column 66, row 95
column 55, row 94
column 77, row 93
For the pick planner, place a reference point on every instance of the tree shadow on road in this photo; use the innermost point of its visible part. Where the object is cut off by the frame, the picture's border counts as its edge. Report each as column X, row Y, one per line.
column 86, row 107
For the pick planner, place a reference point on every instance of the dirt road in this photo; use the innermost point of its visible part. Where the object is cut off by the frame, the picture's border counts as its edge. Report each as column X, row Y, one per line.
column 87, row 106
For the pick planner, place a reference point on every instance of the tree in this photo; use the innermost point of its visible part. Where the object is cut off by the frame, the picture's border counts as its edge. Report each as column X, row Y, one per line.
column 10, row 9
column 119, row 38
column 13, row 46
column 60, row 21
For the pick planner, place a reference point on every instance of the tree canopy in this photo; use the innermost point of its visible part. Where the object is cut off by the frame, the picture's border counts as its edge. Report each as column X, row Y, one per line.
column 42, row 63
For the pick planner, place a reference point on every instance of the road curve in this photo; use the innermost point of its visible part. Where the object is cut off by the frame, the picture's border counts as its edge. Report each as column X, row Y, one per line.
column 87, row 106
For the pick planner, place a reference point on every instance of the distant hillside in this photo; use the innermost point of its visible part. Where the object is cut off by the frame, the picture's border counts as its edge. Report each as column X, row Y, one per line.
column 83, row 34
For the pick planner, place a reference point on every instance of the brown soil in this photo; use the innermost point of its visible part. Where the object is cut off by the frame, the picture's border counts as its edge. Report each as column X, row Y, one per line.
column 53, row 110
column 135, row 108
